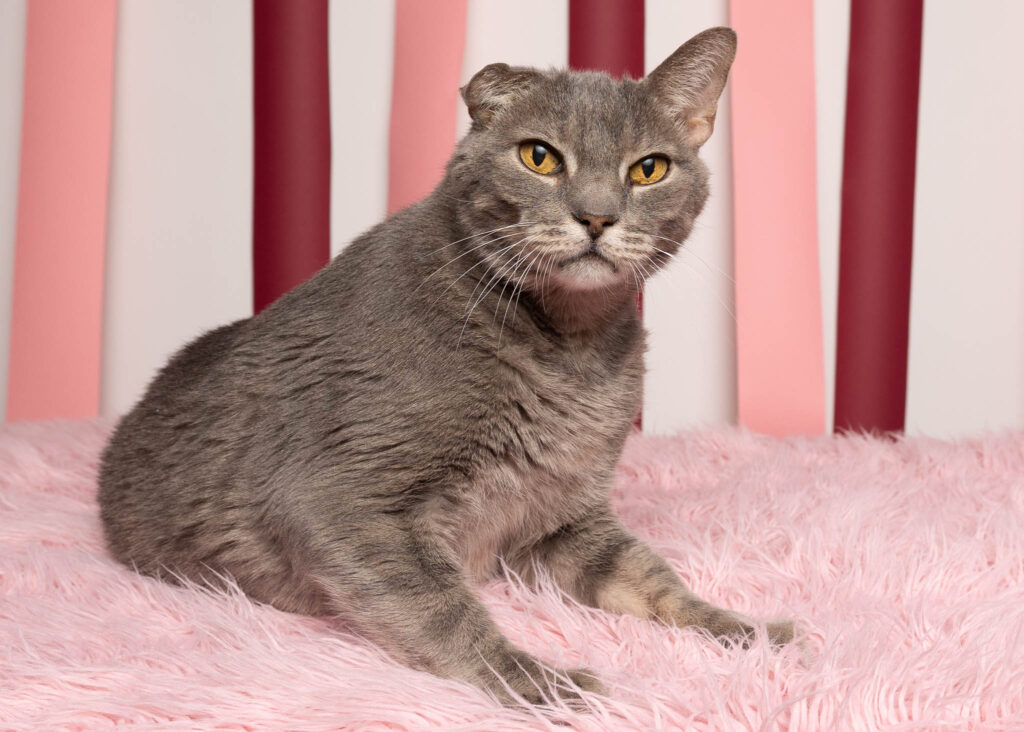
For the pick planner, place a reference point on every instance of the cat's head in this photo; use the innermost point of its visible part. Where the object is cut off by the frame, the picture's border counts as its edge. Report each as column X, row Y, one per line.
column 585, row 182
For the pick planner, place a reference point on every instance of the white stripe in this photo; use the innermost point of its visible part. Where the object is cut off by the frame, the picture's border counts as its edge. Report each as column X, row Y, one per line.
column 179, row 252
column 12, row 66
column 691, row 359
column 362, row 39
column 831, row 46
column 966, row 369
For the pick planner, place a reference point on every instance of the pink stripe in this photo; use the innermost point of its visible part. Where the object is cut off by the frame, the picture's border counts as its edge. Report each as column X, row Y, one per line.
column 780, row 357
column 62, row 206
column 429, row 41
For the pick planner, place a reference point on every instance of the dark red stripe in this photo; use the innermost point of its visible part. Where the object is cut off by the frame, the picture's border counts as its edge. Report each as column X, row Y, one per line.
column 607, row 35
column 877, row 214
column 292, row 145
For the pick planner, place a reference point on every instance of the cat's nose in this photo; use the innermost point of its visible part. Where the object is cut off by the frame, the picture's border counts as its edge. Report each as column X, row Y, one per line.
column 595, row 224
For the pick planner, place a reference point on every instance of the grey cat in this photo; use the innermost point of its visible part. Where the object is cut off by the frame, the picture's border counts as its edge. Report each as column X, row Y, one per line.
column 452, row 391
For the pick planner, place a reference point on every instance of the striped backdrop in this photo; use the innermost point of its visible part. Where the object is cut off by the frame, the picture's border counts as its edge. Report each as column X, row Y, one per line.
column 171, row 165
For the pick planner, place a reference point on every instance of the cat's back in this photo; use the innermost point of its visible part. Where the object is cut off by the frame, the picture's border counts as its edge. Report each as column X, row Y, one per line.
column 261, row 403
column 229, row 383
column 142, row 465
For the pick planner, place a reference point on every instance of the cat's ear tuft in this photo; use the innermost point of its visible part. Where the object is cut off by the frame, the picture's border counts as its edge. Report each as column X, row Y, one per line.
column 691, row 80
column 492, row 88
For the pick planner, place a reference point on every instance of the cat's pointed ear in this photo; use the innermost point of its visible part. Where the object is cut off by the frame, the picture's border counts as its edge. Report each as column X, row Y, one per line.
column 691, row 80
column 492, row 88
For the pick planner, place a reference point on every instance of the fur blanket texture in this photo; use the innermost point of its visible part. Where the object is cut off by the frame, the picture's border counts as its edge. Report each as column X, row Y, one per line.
column 901, row 560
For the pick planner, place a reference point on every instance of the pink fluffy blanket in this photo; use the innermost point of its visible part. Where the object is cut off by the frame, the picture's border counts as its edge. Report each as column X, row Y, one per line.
column 902, row 561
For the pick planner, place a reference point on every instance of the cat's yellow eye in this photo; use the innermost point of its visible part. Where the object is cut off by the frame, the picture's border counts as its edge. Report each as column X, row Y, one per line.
column 539, row 157
column 649, row 170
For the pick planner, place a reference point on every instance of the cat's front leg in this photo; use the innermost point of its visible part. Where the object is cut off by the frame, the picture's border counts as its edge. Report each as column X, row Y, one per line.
column 405, row 592
column 597, row 561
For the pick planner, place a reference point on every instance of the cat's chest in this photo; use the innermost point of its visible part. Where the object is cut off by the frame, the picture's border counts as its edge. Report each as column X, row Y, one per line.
column 560, row 408
column 552, row 440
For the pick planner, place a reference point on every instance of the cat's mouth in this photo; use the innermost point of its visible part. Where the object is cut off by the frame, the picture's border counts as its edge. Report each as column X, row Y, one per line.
column 591, row 255
column 588, row 269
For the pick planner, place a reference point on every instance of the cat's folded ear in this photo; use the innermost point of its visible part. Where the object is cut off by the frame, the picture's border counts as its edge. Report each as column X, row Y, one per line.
column 691, row 80
column 493, row 87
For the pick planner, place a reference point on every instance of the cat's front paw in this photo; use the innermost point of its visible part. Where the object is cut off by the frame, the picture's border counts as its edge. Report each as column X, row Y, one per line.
column 586, row 680
column 732, row 628
column 781, row 632
column 531, row 681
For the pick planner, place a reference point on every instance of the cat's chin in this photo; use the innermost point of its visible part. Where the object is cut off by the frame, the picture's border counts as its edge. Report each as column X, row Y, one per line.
column 588, row 271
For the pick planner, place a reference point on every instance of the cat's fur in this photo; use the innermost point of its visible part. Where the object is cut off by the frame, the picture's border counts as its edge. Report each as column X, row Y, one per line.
column 450, row 391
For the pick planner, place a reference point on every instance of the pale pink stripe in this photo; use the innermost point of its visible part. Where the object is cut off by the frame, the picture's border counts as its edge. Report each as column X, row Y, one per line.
column 780, row 358
column 62, row 206
column 429, row 41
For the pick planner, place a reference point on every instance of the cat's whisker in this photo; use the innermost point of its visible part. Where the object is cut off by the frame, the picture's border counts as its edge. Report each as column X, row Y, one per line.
column 668, row 255
column 491, row 284
column 481, row 279
column 475, row 246
column 547, row 277
column 515, row 311
column 724, row 305
column 482, row 233
column 505, row 284
column 469, row 313
column 454, row 198
column 689, row 250
column 646, row 247
column 517, row 260
column 545, row 274
column 468, row 251
column 483, row 260
column 636, row 276
column 517, row 290
column 646, row 269
column 511, row 279
column 484, row 282
column 498, row 268
column 538, row 270
column 650, row 270
column 479, row 245
column 460, row 256
column 709, row 267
